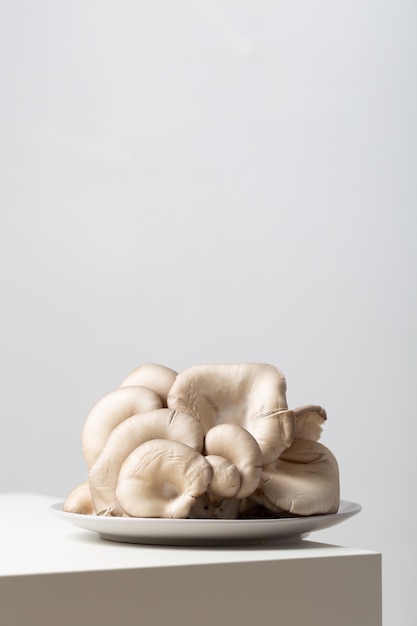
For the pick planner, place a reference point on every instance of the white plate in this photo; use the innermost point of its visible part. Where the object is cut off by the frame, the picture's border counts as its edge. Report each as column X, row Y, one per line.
column 201, row 532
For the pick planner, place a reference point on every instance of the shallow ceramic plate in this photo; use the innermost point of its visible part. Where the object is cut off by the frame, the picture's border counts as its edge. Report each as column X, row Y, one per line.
column 201, row 532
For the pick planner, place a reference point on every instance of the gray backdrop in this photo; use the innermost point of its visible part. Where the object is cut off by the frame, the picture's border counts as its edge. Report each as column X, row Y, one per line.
column 233, row 181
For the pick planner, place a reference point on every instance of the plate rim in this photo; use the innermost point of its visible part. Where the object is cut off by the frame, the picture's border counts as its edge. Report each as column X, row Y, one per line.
column 205, row 531
column 349, row 508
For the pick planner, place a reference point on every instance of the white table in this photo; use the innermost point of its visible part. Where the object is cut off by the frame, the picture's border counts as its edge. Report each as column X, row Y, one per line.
column 53, row 574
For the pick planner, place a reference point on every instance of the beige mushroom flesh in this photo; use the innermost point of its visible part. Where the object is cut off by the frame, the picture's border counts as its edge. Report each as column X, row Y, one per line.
column 153, row 376
column 236, row 444
column 225, row 481
column 80, row 500
column 131, row 433
column 251, row 395
column 109, row 412
column 162, row 478
column 303, row 481
column 309, row 420
column 213, row 441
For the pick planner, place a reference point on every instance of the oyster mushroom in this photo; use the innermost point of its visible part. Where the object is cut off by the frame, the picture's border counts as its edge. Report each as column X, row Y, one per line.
column 162, row 478
column 251, row 395
column 110, row 411
column 226, row 479
column 80, row 500
column 131, row 433
column 308, row 421
column 154, row 376
column 236, row 444
column 303, row 481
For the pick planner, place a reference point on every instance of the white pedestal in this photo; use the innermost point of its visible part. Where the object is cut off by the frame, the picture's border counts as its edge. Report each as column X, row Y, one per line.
column 52, row 574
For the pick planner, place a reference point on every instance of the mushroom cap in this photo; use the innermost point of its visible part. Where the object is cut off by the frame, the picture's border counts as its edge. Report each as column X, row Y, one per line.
column 308, row 421
column 225, row 482
column 162, row 478
column 109, row 412
column 154, row 376
column 131, row 433
column 80, row 500
column 303, row 481
column 251, row 395
column 236, row 444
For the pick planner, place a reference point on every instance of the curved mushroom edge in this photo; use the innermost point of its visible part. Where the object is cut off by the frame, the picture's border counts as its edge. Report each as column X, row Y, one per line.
column 80, row 500
column 304, row 481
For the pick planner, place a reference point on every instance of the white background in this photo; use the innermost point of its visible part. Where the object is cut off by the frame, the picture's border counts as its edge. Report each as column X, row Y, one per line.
column 187, row 182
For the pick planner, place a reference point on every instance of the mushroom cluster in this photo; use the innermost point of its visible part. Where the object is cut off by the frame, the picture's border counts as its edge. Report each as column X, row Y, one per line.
column 213, row 441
